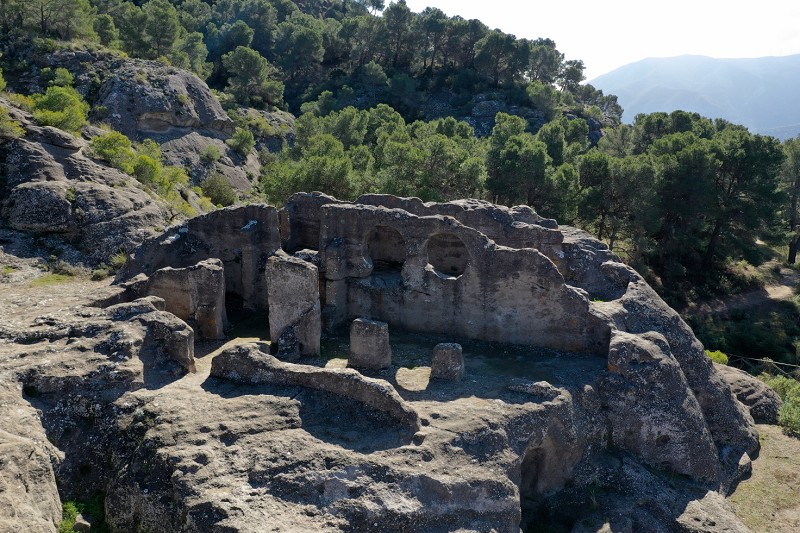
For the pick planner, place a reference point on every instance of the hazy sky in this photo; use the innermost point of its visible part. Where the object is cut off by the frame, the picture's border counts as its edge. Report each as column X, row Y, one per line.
column 611, row 33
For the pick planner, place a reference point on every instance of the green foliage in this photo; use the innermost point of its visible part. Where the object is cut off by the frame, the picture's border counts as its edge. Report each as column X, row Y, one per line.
column 210, row 153
column 717, row 356
column 9, row 128
column 543, row 97
column 789, row 391
column 61, row 107
column 251, row 78
column 93, row 507
column 144, row 162
column 116, row 149
column 3, row 84
column 219, row 190
column 59, row 77
column 242, row 141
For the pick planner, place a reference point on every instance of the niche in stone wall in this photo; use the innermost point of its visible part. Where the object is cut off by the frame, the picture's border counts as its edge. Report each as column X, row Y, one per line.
column 386, row 249
column 447, row 254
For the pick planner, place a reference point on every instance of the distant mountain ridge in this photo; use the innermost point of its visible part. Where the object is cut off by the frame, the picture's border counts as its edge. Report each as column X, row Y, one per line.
column 760, row 93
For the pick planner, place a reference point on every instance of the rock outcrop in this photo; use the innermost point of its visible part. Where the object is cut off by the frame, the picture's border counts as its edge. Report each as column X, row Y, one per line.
column 51, row 186
column 763, row 403
column 577, row 378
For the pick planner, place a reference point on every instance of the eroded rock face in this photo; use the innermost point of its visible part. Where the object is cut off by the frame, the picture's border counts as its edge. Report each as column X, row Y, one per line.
column 241, row 237
column 145, row 96
column 762, row 402
column 52, row 187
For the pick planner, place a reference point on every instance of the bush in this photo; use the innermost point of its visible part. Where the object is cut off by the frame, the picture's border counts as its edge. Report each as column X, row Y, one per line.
column 22, row 101
column 219, row 190
column 789, row 391
column 61, row 107
column 242, row 141
column 115, row 148
column 147, row 170
column 2, row 81
column 93, row 507
column 59, row 77
column 718, row 356
column 9, row 128
column 211, row 153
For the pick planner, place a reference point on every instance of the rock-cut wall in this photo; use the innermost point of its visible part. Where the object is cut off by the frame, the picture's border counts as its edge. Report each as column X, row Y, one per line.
column 474, row 270
column 439, row 275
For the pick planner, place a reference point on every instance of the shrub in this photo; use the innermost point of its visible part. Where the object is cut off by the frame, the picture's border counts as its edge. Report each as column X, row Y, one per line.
column 242, row 141
column 2, row 81
column 61, row 107
column 210, row 153
column 9, row 128
column 115, row 148
column 146, row 169
column 718, row 356
column 117, row 261
column 789, row 391
column 22, row 101
column 219, row 190
column 59, row 77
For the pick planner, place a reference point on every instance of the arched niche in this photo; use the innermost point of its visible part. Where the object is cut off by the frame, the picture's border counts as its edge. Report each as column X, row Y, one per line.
column 447, row 254
column 386, row 249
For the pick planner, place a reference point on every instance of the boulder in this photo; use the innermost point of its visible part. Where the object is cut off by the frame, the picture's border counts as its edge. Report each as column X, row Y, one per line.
column 150, row 97
column 448, row 362
column 369, row 344
column 664, row 425
column 762, row 402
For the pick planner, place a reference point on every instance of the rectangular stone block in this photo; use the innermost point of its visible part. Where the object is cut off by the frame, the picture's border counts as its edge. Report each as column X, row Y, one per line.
column 369, row 344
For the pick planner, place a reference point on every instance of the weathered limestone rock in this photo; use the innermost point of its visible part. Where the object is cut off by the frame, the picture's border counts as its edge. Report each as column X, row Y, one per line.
column 665, row 425
column 50, row 186
column 28, row 493
column 242, row 237
column 247, row 364
column 630, row 398
column 762, row 402
column 82, row 524
column 194, row 294
column 369, row 344
column 293, row 295
column 167, row 335
column 148, row 96
column 448, row 362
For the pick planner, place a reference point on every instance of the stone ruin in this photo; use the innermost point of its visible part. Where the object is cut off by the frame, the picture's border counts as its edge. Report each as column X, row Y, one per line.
column 631, row 392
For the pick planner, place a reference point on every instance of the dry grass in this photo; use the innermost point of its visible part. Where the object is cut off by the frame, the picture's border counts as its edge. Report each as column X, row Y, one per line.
column 769, row 501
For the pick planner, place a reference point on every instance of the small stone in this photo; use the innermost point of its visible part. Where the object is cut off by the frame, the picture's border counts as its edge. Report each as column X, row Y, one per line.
column 82, row 523
column 369, row 344
column 448, row 362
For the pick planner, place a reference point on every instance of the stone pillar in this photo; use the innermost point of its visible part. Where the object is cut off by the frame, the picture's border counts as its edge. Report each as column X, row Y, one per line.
column 293, row 296
column 448, row 362
column 369, row 344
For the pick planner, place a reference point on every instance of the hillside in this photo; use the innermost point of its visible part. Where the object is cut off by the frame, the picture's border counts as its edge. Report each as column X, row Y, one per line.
column 758, row 93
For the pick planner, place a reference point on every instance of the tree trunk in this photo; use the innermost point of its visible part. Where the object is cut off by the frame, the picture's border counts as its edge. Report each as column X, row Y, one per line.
column 708, row 257
column 794, row 245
